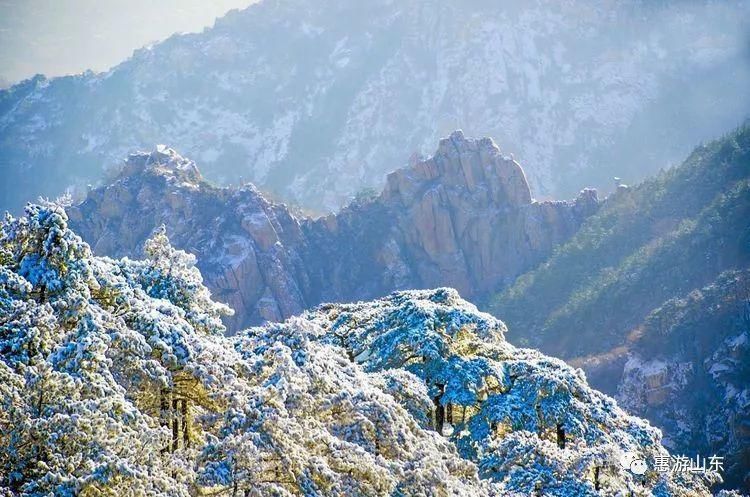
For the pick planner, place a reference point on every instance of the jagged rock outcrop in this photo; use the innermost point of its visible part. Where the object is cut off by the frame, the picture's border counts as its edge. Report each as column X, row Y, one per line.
column 463, row 218
column 242, row 241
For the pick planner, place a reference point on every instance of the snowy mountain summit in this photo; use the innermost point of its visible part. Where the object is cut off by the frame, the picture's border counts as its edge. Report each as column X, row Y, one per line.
column 165, row 162
column 116, row 379
column 317, row 99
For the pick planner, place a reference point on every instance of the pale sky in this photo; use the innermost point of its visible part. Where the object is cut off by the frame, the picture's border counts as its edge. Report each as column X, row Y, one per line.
column 56, row 37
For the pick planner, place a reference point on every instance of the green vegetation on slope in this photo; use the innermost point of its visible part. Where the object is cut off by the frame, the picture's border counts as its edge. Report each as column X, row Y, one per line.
column 647, row 244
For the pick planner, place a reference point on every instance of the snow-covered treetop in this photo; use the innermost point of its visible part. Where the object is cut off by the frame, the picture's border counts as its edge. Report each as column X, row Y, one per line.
column 116, row 379
column 529, row 421
column 425, row 325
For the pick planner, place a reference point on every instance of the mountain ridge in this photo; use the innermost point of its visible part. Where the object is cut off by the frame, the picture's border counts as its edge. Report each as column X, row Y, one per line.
column 462, row 218
column 300, row 103
column 649, row 298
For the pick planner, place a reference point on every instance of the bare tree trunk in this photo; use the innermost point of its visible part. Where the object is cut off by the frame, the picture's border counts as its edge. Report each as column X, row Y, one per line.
column 439, row 410
column 164, row 412
column 560, row 436
column 539, row 419
column 175, row 426
column 163, row 406
column 185, row 434
column 597, row 485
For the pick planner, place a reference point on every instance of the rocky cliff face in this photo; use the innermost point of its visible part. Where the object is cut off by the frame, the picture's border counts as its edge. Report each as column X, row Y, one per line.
column 245, row 245
column 693, row 384
column 316, row 99
column 462, row 218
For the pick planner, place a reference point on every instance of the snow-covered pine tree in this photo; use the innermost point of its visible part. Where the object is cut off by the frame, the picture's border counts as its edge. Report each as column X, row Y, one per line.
column 116, row 379
column 529, row 421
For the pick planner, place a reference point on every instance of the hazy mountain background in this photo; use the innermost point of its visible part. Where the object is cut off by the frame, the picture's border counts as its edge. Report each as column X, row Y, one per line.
column 315, row 101
column 59, row 37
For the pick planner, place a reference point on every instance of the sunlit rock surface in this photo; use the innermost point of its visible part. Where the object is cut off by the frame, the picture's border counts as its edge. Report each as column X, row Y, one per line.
column 462, row 218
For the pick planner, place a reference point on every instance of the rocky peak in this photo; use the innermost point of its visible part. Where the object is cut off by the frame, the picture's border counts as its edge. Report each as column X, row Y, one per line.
column 466, row 214
column 462, row 218
column 587, row 202
column 408, row 74
column 163, row 161
column 467, row 167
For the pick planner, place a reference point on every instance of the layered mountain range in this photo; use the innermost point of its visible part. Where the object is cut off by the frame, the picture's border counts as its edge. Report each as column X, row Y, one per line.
column 315, row 100
column 462, row 218
column 642, row 290
column 647, row 291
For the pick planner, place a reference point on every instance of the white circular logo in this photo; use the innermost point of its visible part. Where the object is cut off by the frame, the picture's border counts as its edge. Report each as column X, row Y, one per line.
column 638, row 467
column 633, row 463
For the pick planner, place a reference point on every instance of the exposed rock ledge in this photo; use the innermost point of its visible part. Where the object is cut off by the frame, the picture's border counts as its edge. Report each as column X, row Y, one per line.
column 463, row 218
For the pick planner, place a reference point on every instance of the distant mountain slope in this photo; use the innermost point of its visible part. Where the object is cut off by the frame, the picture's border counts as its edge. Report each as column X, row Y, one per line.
column 645, row 298
column 315, row 99
column 462, row 218
column 116, row 379
column 645, row 245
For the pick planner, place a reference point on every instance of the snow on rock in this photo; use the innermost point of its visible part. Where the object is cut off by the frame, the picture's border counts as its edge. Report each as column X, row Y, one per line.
column 317, row 100
column 700, row 398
